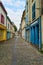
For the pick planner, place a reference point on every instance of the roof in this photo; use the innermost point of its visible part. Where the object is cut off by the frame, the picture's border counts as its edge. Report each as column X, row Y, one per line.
column 9, row 19
column 3, row 7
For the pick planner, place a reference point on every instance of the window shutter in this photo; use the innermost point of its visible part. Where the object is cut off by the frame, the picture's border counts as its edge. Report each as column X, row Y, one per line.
column 2, row 19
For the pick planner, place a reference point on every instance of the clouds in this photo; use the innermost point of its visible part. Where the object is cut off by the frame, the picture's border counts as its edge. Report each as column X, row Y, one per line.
column 15, row 16
column 15, row 9
column 19, row 3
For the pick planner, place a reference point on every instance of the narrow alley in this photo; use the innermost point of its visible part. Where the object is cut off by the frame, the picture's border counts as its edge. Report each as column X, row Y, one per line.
column 16, row 51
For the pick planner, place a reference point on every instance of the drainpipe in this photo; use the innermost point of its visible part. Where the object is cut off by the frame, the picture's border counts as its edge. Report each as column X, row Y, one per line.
column 40, row 34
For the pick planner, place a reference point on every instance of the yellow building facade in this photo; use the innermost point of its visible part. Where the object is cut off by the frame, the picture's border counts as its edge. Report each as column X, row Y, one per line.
column 23, row 23
column 12, row 31
column 2, row 33
column 28, row 9
column 3, row 19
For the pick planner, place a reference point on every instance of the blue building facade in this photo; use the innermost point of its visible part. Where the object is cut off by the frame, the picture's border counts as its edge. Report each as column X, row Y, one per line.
column 34, row 24
column 35, row 33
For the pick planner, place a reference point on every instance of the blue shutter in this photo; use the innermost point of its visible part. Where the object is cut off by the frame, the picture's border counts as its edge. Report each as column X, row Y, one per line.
column 33, row 11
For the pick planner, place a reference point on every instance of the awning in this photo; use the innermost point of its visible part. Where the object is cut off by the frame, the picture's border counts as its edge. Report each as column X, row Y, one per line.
column 35, row 23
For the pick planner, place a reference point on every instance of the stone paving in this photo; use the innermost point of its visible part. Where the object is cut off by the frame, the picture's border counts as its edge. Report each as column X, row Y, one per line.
column 18, row 52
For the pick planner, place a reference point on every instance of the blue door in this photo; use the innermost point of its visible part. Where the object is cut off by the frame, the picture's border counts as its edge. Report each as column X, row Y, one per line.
column 37, row 34
column 33, row 34
column 8, row 35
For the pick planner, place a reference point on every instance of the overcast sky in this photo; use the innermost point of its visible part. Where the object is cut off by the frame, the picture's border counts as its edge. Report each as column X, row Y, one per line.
column 15, row 9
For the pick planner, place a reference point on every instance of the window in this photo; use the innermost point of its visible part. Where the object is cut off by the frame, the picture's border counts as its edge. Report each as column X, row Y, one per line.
column 42, row 11
column 33, row 11
column 27, row 6
column 32, row 0
column 8, row 26
column 27, row 18
column 41, row 6
column 2, row 19
column 11, row 27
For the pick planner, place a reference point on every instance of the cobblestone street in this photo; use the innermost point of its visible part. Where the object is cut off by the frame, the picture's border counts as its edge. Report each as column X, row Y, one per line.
column 18, row 52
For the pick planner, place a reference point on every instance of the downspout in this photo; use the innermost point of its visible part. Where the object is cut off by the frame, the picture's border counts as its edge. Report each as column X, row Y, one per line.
column 40, row 33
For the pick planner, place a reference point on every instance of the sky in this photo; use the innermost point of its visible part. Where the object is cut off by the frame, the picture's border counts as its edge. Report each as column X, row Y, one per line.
column 14, row 9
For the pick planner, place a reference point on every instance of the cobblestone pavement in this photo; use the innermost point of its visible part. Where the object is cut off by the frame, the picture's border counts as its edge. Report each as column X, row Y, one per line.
column 18, row 52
